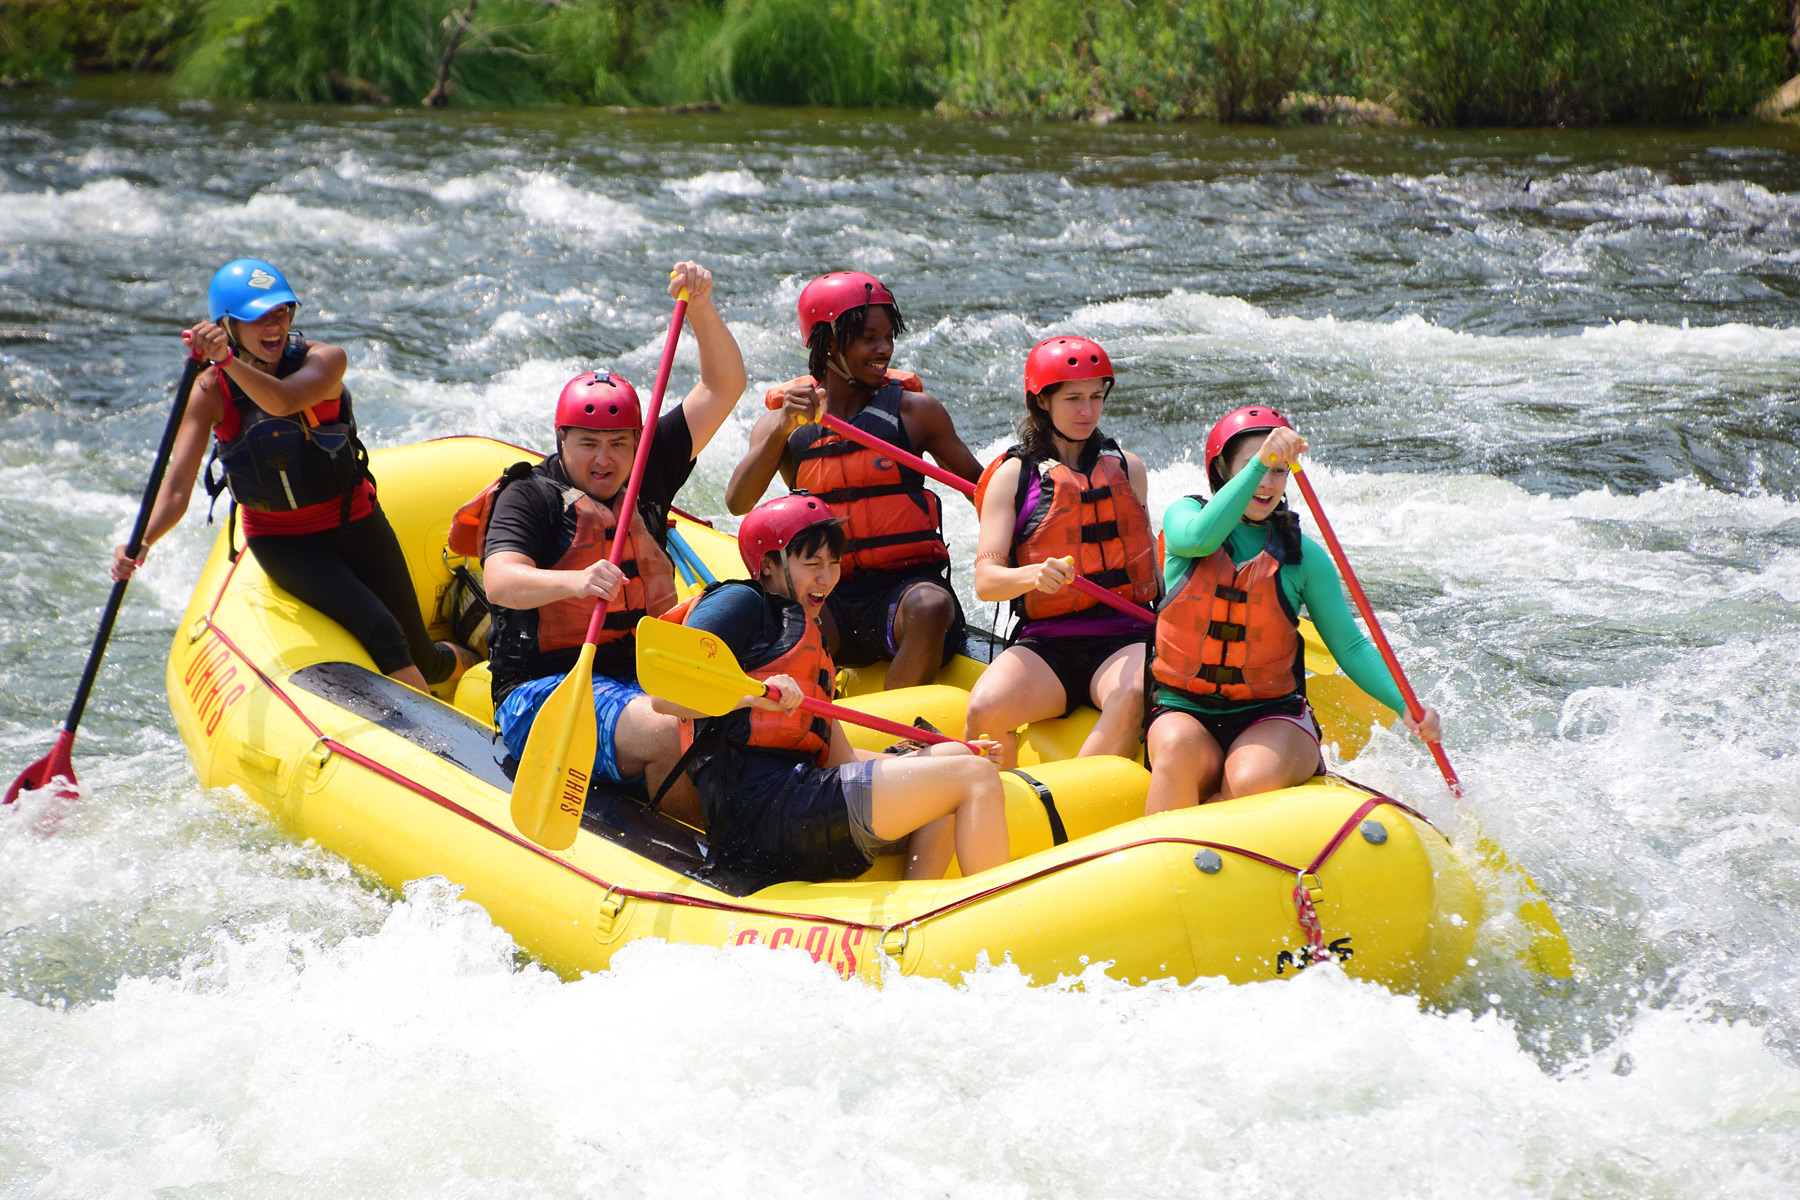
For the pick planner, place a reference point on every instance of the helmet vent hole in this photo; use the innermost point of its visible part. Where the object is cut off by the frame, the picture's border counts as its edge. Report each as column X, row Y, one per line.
column 589, row 409
column 612, row 410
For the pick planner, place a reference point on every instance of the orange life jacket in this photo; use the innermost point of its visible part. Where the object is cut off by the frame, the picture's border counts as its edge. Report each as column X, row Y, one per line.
column 891, row 520
column 1095, row 518
column 799, row 651
column 775, row 395
column 1226, row 632
column 562, row 624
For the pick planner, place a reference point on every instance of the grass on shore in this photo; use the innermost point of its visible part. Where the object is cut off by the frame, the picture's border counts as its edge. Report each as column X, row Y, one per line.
column 1445, row 62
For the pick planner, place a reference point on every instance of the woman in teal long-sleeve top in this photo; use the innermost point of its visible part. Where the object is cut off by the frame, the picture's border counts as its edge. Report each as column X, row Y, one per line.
column 1230, row 716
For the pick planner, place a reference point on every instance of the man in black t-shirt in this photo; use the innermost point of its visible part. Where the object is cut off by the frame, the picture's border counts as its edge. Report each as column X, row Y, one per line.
column 544, row 553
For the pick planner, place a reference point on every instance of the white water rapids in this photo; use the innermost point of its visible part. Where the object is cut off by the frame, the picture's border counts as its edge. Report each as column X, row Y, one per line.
column 1552, row 382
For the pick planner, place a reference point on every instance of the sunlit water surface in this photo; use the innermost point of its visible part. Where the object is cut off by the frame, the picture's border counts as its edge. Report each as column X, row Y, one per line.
column 1552, row 381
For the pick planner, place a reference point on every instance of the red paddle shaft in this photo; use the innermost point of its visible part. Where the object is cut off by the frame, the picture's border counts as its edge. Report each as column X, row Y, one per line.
column 1413, row 708
column 826, row 708
column 843, row 428
column 635, row 483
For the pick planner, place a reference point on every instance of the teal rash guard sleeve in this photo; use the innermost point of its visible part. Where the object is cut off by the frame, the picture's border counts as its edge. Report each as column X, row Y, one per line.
column 1323, row 597
column 1195, row 531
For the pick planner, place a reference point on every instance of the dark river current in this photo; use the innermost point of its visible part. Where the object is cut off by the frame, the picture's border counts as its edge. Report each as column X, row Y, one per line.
column 1551, row 380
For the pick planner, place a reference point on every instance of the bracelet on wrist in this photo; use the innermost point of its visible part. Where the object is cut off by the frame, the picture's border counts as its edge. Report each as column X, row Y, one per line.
column 227, row 359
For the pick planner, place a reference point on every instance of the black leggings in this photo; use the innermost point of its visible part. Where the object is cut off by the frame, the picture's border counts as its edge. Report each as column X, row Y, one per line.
column 356, row 575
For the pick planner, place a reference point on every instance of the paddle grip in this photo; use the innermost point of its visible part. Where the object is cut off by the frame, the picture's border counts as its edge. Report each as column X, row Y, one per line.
column 616, row 553
column 1413, row 708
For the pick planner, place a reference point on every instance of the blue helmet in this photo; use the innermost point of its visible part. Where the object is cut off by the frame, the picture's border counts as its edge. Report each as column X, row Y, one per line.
column 246, row 289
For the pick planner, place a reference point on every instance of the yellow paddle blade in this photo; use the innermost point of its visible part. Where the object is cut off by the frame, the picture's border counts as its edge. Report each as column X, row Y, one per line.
column 552, row 782
column 690, row 667
column 1547, row 950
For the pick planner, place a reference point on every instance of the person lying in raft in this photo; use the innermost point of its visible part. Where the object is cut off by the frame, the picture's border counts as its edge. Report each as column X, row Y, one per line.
column 1230, row 715
column 275, row 408
column 896, row 601
column 547, row 531
column 1065, row 491
column 784, row 794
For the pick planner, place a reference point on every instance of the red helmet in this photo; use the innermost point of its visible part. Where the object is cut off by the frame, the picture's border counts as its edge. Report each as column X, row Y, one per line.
column 774, row 523
column 1258, row 419
column 1060, row 359
column 831, row 296
column 599, row 400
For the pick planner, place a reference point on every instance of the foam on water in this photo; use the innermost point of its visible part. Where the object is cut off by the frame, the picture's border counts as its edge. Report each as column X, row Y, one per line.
column 708, row 184
column 546, row 199
column 105, row 206
column 433, row 1065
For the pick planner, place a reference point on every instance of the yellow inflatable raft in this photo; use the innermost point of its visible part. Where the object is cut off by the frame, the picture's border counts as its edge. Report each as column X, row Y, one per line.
column 282, row 702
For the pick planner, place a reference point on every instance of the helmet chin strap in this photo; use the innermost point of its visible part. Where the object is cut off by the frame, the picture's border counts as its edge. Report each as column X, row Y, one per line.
column 839, row 366
column 237, row 343
column 788, row 577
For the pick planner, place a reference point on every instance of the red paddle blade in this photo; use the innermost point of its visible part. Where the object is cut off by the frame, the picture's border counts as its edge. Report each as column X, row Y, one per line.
column 54, row 765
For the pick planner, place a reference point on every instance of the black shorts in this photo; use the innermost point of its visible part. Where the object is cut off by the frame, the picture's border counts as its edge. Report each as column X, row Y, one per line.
column 1073, row 660
column 784, row 820
column 1228, row 726
column 863, row 612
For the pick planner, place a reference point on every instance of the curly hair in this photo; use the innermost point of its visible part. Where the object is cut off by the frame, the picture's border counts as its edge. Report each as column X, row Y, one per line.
column 844, row 330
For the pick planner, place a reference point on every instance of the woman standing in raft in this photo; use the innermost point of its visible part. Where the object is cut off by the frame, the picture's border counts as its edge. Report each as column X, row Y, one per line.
column 896, row 602
column 286, row 440
column 1230, row 716
column 784, row 794
column 1065, row 491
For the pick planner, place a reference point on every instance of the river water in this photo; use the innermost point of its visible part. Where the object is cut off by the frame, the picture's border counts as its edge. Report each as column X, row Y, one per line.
column 1552, row 382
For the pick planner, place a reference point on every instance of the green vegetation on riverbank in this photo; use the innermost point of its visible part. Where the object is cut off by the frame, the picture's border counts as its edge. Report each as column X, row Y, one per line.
column 1450, row 62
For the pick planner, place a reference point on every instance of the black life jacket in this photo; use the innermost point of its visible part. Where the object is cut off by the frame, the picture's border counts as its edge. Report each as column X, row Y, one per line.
column 279, row 464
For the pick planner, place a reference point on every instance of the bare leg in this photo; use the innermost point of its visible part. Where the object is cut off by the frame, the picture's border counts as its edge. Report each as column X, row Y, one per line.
column 1117, row 691
column 681, row 801
column 1185, row 763
column 412, row 677
column 646, row 742
column 465, row 658
column 1268, row 756
column 947, row 782
column 1017, row 688
column 929, row 848
column 922, row 621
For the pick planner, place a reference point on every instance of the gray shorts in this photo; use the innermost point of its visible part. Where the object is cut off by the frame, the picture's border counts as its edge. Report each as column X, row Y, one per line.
column 858, row 782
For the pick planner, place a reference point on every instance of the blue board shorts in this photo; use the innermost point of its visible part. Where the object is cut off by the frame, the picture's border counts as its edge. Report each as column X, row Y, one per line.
column 520, row 708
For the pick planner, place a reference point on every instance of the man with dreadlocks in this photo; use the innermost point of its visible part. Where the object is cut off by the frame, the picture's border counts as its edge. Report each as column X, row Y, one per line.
column 895, row 601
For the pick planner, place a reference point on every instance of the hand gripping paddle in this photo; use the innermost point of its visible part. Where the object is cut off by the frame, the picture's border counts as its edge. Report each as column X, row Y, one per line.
column 57, row 764
column 550, row 787
column 696, row 670
column 844, row 429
